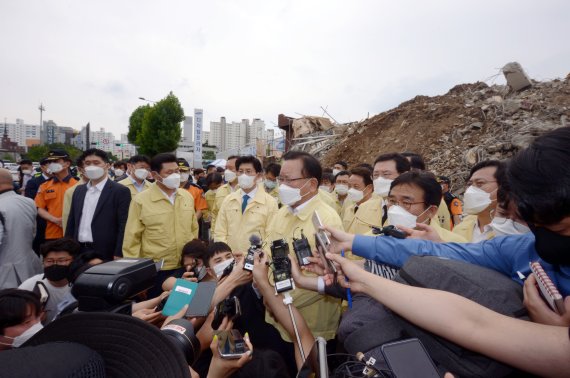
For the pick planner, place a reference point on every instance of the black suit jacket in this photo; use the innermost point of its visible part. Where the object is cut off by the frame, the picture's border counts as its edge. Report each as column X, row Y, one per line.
column 109, row 219
column 33, row 186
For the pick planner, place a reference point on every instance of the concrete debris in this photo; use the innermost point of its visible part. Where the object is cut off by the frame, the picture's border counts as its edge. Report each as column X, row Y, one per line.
column 498, row 122
column 517, row 79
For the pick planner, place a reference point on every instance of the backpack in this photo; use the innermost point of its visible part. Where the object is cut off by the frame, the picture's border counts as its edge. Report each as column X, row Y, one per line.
column 487, row 287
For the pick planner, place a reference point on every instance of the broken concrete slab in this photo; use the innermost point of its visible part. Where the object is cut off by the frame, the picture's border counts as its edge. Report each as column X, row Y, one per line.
column 516, row 77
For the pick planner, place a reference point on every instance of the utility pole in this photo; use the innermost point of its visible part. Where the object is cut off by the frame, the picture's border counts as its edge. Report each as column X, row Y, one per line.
column 42, row 131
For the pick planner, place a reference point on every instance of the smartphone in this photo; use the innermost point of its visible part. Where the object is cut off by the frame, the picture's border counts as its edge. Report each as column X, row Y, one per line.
column 548, row 290
column 409, row 359
column 231, row 344
column 202, row 300
column 323, row 242
column 182, row 294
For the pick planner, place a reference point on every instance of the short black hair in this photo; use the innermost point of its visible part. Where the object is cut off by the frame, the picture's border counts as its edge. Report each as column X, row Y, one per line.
column 64, row 244
column 214, row 178
column 265, row 363
column 79, row 161
column 158, row 160
column 14, row 304
column 311, row 166
column 274, row 169
column 327, row 176
column 416, row 160
column 249, row 159
column 80, row 264
column 120, row 163
column 402, row 164
column 365, row 165
column 198, row 171
column 539, row 178
column 26, row 161
column 343, row 163
column 232, row 157
column 97, row 152
column 210, row 166
column 341, row 173
column 363, row 172
column 484, row 164
column 426, row 181
column 214, row 249
column 139, row 158
column 195, row 248
column 220, row 169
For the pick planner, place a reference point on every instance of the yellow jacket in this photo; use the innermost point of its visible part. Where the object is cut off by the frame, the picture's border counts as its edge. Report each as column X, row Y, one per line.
column 210, row 200
column 67, row 197
column 158, row 230
column 235, row 228
column 128, row 182
column 465, row 228
column 321, row 312
column 443, row 216
column 273, row 192
column 221, row 194
column 327, row 198
column 446, row 235
column 369, row 214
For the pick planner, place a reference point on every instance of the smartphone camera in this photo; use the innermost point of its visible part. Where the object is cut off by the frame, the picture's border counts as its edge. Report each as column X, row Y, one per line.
column 281, row 266
column 229, row 307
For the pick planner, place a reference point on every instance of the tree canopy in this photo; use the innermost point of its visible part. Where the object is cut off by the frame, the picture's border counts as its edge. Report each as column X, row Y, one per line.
column 35, row 153
column 160, row 129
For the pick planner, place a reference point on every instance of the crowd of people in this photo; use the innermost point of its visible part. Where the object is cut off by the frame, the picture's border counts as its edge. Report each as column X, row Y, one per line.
column 197, row 225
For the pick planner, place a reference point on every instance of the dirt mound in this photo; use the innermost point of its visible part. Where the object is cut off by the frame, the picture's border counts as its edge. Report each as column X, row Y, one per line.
column 470, row 123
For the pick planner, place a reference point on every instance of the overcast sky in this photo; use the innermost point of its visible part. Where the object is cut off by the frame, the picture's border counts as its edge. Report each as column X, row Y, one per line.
column 89, row 61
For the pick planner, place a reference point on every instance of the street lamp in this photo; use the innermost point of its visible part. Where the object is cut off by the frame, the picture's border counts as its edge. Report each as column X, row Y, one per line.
column 144, row 99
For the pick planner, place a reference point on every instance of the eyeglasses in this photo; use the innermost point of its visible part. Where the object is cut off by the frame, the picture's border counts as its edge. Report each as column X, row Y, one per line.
column 49, row 262
column 404, row 204
column 283, row 180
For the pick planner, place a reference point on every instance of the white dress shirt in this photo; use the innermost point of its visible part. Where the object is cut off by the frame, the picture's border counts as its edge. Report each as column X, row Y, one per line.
column 479, row 236
column 89, row 205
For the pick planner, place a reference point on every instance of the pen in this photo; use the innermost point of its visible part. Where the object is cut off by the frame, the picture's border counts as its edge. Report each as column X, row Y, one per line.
column 348, row 292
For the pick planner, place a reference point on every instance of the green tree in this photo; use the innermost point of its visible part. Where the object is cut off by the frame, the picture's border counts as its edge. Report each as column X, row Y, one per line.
column 209, row 155
column 161, row 129
column 36, row 153
column 135, row 124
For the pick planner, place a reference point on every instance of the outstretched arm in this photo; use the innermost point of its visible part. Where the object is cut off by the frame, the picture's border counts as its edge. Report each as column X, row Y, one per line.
column 536, row 348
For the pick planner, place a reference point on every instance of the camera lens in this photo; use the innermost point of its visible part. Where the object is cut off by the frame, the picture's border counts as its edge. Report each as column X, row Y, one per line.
column 181, row 333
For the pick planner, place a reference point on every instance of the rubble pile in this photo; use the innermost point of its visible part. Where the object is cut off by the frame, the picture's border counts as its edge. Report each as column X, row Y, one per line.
column 470, row 123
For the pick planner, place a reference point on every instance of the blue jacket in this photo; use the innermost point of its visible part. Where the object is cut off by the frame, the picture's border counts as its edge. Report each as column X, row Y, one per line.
column 505, row 254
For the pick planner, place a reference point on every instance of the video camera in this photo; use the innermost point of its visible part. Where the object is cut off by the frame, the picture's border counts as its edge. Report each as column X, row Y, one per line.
column 110, row 286
column 281, row 266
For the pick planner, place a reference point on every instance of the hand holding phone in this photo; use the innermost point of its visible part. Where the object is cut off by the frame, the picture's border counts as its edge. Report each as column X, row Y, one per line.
column 231, row 344
column 547, row 288
column 323, row 242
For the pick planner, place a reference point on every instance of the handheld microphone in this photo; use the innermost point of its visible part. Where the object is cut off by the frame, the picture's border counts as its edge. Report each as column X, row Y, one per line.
column 255, row 244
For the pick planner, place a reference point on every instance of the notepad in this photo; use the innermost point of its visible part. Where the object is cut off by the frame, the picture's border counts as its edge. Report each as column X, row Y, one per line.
column 182, row 294
column 548, row 289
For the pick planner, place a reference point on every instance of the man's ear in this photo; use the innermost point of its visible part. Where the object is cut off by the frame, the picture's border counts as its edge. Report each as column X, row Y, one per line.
column 432, row 211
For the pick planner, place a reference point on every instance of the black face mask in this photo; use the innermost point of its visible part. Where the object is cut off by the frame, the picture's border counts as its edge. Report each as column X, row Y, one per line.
column 551, row 247
column 56, row 272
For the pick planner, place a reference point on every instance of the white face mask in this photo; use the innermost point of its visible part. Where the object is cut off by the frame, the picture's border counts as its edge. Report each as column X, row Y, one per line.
column 171, row 181
column 398, row 216
column 382, row 186
column 141, row 173
column 270, row 184
column 341, row 189
column 504, row 226
column 245, row 181
column 184, row 177
column 325, row 188
column 336, row 171
column 119, row 172
column 93, row 172
column 26, row 172
column 19, row 340
column 355, row 195
column 55, row 167
column 219, row 268
column 288, row 195
column 476, row 200
column 229, row 176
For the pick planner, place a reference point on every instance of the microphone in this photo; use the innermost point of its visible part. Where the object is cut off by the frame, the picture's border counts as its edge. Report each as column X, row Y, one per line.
column 255, row 244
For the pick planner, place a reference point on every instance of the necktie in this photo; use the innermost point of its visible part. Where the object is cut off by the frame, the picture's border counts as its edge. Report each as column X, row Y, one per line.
column 244, row 203
column 355, row 209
